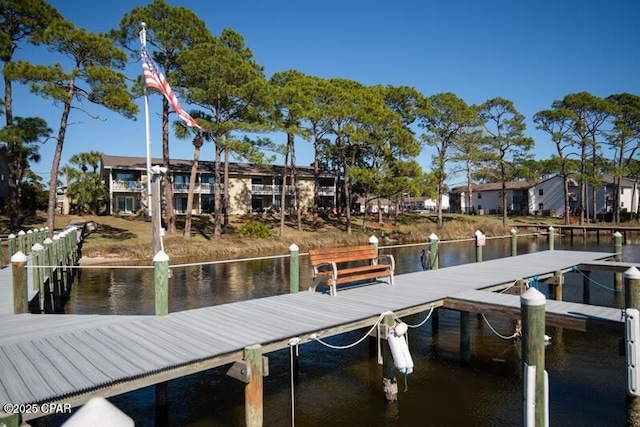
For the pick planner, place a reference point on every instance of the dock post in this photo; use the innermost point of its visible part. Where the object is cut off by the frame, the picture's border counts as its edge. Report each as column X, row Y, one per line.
column 57, row 271
column 19, row 276
column 373, row 240
column 617, row 248
column 532, row 307
column 37, row 261
column 389, row 382
column 30, row 240
column 550, row 238
column 21, row 242
column 253, row 390
column 557, row 287
column 632, row 288
column 9, row 420
column 433, row 248
column 514, row 242
column 465, row 336
column 480, row 242
column 161, row 281
column 586, row 294
column 48, row 271
column 294, row 269
column 12, row 245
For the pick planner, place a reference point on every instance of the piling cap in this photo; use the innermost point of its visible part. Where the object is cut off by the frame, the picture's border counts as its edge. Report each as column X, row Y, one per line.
column 56, row 237
column 514, row 231
column 48, row 241
column 161, row 256
column 617, row 234
column 550, row 228
column 433, row 236
column 632, row 273
column 373, row 240
column 294, row 248
column 29, row 231
column 19, row 257
column 21, row 233
column 532, row 297
column 37, row 247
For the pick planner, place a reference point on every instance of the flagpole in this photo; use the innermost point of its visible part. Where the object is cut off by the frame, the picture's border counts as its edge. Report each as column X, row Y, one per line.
column 143, row 41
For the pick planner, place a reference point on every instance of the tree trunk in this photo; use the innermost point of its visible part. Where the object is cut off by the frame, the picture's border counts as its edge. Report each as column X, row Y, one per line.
column 217, row 214
column 55, row 164
column 225, row 192
column 283, row 192
column 168, row 177
column 197, row 144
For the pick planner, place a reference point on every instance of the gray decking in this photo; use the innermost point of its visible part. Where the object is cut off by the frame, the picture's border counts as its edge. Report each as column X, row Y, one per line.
column 69, row 357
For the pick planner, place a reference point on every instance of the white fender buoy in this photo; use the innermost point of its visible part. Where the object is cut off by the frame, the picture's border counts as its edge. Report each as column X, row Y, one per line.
column 400, row 349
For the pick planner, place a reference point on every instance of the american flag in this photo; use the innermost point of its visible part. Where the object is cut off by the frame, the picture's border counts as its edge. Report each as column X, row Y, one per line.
column 154, row 78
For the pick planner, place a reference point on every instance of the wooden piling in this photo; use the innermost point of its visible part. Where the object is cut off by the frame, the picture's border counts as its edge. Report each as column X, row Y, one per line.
column 19, row 276
column 514, row 242
column 161, row 281
column 532, row 306
column 433, row 243
column 253, row 390
column 586, row 287
column 37, row 261
column 9, row 420
column 632, row 288
column 550, row 238
column 465, row 336
column 389, row 382
column 557, row 287
column 617, row 248
column 22, row 246
column 12, row 245
column 294, row 268
column 48, row 271
column 480, row 240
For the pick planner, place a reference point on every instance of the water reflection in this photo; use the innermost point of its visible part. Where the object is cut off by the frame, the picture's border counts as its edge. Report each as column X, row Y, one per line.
column 344, row 387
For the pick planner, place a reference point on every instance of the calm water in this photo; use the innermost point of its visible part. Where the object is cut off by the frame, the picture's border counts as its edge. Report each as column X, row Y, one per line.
column 343, row 387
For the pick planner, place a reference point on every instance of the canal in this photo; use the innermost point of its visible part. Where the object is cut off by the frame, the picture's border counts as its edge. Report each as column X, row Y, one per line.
column 344, row 387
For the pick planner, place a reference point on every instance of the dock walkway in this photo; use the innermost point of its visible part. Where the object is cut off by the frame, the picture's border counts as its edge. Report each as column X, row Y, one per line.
column 70, row 358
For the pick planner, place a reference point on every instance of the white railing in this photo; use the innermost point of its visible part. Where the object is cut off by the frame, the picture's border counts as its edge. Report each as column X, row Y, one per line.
column 126, row 185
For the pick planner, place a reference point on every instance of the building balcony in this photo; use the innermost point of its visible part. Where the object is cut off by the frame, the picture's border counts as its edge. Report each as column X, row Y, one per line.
column 202, row 188
column 126, row 186
column 327, row 190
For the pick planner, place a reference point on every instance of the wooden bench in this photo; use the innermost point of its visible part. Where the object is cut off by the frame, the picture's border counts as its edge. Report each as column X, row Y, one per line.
column 335, row 266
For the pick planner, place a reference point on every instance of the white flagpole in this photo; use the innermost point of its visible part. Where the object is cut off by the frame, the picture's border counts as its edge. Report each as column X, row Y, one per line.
column 143, row 41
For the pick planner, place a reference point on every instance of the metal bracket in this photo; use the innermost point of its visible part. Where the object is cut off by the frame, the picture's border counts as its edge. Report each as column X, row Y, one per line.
column 240, row 370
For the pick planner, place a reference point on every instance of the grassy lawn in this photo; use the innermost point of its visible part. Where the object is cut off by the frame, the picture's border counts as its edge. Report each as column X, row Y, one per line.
column 129, row 237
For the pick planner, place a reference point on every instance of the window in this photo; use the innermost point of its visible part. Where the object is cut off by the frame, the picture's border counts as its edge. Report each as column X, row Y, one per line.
column 180, row 204
column 126, row 176
column 541, row 206
column 125, row 204
column 541, row 192
column 479, row 206
column 479, row 196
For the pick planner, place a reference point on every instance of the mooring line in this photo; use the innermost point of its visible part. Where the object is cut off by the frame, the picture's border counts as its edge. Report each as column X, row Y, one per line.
column 577, row 270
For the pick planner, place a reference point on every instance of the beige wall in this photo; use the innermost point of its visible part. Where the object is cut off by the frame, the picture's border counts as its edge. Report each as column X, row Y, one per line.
column 239, row 195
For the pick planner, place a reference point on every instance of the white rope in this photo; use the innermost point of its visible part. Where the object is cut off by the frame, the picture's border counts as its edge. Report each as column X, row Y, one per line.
column 421, row 323
column 80, row 267
column 345, row 347
column 515, row 334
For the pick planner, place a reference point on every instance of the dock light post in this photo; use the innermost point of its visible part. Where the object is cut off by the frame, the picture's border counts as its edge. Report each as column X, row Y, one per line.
column 433, row 248
column 514, row 242
column 550, row 237
column 294, row 269
column 532, row 308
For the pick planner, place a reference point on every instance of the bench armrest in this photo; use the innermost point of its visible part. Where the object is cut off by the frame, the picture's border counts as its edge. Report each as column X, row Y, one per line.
column 326, row 267
column 387, row 259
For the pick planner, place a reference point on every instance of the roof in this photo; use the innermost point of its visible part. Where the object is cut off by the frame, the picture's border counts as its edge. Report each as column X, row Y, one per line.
column 495, row 186
column 204, row 166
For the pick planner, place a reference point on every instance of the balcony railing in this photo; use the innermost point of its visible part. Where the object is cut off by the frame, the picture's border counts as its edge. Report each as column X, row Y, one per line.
column 128, row 186
column 327, row 190
column 202, row 188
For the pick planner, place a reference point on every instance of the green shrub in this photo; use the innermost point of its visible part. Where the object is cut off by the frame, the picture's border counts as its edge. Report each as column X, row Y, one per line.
column 253, row 228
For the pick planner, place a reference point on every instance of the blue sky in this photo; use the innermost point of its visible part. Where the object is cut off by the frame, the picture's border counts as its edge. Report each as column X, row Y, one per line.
column 529, row 52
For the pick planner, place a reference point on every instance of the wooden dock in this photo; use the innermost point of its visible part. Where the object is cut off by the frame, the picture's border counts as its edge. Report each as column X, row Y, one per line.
column 71, row 358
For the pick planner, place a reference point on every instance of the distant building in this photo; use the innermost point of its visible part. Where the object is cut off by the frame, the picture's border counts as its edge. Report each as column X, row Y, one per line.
column 487, row 198
column 252, row 188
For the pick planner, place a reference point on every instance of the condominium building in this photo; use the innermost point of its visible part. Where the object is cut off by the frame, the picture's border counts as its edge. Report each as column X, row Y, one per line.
column 252, row 188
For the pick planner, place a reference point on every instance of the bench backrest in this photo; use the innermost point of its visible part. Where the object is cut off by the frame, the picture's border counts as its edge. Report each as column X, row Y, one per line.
column 345, row 254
